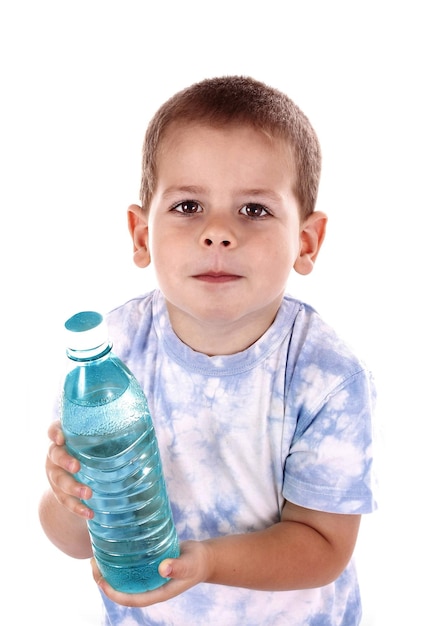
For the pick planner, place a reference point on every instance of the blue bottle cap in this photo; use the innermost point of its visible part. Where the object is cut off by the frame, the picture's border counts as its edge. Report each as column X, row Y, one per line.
column 86, row 330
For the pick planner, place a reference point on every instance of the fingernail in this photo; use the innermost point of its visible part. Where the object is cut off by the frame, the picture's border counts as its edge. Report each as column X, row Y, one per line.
column 85, row 512
column 84, row 493
column 72, row 466
column 167, row 570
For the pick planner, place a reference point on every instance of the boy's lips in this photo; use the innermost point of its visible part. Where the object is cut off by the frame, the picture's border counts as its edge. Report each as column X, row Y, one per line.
column 216, row 277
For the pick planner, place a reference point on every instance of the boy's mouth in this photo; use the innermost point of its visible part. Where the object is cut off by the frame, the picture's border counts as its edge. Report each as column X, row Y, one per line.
column 216, row 277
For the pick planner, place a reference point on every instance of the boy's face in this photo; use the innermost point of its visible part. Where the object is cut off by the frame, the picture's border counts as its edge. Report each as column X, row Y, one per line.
column 224, row 233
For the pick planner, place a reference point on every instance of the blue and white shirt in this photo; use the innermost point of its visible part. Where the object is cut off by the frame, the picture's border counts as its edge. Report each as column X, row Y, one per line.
column 287, row 419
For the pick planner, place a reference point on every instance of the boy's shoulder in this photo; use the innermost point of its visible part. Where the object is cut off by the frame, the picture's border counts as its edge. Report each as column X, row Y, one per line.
column 131, row 310
column 128, row 319
column 316, row 342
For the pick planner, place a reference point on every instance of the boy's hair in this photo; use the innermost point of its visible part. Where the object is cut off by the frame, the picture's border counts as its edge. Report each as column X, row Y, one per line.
column 230, row 100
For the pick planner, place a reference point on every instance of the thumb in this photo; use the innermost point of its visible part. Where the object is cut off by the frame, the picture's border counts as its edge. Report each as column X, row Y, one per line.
column 166, row 568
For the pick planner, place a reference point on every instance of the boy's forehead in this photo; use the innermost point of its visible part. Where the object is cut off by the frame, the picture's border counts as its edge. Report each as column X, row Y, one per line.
column 188, row 129
column 179, row 151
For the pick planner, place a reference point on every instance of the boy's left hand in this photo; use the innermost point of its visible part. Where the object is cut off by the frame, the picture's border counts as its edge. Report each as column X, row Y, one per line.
column 185, row 572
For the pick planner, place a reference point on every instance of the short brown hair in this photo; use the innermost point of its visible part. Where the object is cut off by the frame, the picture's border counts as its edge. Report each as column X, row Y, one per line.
column 238, row 99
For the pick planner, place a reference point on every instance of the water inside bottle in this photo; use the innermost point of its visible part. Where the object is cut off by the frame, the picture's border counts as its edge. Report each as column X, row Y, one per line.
column 132, row 522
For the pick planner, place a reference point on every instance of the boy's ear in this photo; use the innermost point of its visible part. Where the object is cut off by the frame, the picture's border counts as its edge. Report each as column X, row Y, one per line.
column 311, row 238
column 137, row 220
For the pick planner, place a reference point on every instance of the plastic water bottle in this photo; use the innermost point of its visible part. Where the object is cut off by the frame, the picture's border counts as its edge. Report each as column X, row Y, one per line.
column 108, row 428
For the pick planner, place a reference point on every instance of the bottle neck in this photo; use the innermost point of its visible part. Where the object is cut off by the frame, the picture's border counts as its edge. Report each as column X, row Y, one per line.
column 89, row 355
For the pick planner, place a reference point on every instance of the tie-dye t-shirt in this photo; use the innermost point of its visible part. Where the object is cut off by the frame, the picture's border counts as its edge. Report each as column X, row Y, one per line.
column 288, row 418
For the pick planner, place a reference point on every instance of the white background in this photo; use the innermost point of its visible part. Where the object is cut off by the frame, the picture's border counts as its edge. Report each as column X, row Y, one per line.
column 79, row 82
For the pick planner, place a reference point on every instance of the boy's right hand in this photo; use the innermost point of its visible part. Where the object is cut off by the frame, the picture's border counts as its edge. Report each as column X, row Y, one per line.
column 60, row 467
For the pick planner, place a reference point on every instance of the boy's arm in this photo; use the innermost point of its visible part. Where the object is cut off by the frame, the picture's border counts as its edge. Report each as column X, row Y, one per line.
column 305, row 549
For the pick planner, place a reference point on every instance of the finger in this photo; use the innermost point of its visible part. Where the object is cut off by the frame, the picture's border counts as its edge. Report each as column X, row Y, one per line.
column 190, row 566
column 71, row 496
column 165, row 569
column 58, row 455
column 68, row 491
column 55, row 433
column 61, row 480
column 179, row 570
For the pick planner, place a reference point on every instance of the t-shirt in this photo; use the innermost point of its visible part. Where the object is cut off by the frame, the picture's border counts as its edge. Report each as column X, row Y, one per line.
column 289, row 418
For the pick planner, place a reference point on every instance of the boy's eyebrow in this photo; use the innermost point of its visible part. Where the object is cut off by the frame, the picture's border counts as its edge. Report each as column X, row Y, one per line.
column 183, row 189
column 195, row 190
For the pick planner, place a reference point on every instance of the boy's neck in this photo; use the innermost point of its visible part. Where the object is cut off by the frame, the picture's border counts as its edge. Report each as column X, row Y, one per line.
column 220, row 337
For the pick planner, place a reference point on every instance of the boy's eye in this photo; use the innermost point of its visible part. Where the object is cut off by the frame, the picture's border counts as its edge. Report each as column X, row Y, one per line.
column 188, row 206
column 254, row 210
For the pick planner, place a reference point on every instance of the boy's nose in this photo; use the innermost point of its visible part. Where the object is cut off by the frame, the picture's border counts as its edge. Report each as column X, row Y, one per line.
column 217, row 233
column 211, row 242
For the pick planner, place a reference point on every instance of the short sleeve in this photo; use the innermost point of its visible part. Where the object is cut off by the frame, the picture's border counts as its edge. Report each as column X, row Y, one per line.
column 330, row 462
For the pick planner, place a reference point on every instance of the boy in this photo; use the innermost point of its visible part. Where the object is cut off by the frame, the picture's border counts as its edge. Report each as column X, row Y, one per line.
column 262, row 413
